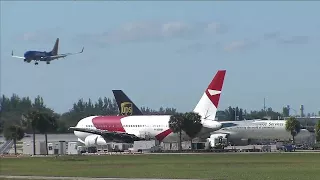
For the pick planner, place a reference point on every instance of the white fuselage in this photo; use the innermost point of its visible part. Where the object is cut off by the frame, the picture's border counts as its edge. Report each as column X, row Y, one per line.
column 260, row 129
column 156, row 126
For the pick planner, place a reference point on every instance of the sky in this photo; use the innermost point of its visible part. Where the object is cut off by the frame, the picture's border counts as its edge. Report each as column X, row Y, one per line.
column 165, row 53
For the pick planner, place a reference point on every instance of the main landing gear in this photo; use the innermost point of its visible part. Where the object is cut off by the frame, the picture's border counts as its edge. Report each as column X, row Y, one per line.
column 48, row 62
column 36, row 63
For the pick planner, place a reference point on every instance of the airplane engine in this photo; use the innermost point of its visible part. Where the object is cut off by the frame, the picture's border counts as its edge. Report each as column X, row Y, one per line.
column 27, row 60
column 214, row 125
column 94, row 140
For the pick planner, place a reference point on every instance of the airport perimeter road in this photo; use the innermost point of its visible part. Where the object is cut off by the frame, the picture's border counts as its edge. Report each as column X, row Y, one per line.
column 78, row 178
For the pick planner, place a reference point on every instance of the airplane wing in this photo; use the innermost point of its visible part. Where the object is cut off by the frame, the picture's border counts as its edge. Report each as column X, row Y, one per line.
column 16, row 56
column 110, row 135
column 66, row 54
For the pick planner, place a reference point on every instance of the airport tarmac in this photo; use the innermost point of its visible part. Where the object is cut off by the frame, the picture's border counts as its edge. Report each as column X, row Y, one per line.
column 78, row 178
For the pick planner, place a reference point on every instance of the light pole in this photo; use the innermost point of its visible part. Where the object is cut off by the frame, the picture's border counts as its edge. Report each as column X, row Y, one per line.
column 235, row 114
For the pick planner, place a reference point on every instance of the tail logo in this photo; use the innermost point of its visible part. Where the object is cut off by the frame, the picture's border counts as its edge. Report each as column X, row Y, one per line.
column 213, row 92
column 126, row 108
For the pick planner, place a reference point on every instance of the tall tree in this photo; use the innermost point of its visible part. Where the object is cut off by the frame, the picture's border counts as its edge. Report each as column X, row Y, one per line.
column 317, row 129
column 293, row 126
column 176, row 125
column 285, row 111
column 15, row 133
column 30, row 120
column 192, row 125
column 44, row 123
column 1, row 126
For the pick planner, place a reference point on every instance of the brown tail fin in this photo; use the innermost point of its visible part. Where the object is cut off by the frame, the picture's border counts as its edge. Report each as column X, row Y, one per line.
column 55, row 47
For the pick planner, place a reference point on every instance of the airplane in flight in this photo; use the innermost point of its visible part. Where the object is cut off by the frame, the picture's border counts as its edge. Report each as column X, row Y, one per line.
column 43, row 55
column 100, row 130
column 125, row 105
column 239, row 131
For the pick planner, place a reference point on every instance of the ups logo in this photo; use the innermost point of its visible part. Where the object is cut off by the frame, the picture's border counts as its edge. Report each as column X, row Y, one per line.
column 126, row 108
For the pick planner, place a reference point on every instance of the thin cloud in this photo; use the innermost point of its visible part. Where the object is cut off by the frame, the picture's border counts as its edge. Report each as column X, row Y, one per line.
column 295, row 40
column 286, row 40
column 199, row 47
column 272, row 35
column 40, row 36
column 216, row 27
column 239, row 45
column 152, row 31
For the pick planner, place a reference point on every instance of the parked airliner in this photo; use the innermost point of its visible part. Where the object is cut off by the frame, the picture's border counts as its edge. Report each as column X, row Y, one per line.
column 43, row 55
column 237, row 131
column 256, row 129
column 99, row 130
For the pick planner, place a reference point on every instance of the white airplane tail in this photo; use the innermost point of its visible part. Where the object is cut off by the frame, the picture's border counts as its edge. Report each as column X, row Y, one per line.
column 208, row 104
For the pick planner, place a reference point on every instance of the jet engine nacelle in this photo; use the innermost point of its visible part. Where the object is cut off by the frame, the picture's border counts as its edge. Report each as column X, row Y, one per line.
column 214, row 125
column 94, row 140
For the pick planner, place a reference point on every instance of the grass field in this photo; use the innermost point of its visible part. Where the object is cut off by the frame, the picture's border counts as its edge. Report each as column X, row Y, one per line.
column 271, row 166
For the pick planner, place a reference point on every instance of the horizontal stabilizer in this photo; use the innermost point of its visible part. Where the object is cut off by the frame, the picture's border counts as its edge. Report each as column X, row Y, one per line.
column 16, row 56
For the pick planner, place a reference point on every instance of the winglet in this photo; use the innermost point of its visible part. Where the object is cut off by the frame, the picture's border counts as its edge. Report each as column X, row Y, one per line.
column 82, row 50
column 12, row 53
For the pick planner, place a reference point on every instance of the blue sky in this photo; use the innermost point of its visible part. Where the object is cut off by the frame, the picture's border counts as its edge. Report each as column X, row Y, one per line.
column 165, row 53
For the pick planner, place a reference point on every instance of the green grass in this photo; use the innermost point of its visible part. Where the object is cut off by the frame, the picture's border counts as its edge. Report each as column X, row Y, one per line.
column 271, row 166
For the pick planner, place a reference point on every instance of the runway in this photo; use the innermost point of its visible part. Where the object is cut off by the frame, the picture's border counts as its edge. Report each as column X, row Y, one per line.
column 78, row 178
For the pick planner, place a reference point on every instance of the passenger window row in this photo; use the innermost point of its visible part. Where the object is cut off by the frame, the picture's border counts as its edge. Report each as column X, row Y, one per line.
column 88, row 126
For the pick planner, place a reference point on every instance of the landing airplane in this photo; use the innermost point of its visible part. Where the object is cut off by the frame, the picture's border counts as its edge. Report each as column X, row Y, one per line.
column 44, row 56
column 99, row 130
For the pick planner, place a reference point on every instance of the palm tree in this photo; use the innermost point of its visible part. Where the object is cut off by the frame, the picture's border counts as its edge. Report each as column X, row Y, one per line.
column 30, row 120
column 176, row 123
column 293, row 126
column 15, row 133
column 192, row 125
column 317, row 129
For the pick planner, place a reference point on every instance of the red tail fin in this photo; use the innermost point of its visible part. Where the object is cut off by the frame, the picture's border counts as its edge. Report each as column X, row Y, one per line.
column 215, row 87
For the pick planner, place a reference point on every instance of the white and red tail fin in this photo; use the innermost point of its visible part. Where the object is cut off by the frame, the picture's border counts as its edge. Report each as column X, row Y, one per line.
column 208, row 104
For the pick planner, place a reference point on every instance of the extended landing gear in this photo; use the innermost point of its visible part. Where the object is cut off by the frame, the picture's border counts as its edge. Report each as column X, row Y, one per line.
column 48, row 62
column 36, row 63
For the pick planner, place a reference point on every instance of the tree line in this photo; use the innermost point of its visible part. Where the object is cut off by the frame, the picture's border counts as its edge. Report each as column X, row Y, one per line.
column 21, row 115
column 13, row 108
